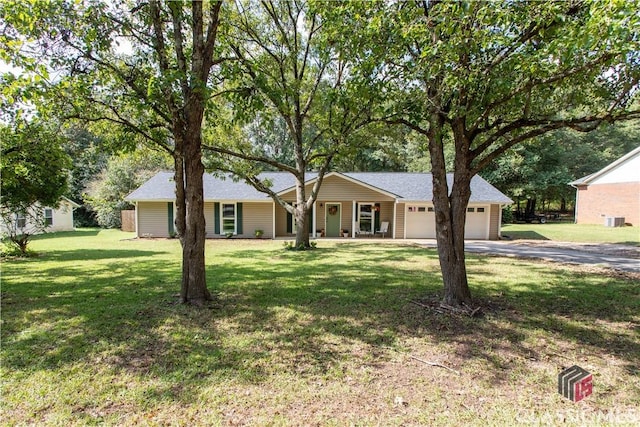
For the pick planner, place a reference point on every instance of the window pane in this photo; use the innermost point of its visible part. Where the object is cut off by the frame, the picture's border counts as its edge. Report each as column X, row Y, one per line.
column 48, row 217
column 228, row 226
column 366, row 218
column 228, row 211
column 21, row 221
column 228, row 218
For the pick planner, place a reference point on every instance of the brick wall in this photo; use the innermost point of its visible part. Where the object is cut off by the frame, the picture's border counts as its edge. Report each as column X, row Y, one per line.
column 597, row 201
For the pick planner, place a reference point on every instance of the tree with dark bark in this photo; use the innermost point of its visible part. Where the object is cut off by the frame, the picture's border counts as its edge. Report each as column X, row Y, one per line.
column 490, row 76
column 291, row 78
column 143, row 66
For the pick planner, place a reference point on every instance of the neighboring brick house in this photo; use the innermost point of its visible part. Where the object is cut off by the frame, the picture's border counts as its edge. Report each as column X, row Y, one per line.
column 613, row 191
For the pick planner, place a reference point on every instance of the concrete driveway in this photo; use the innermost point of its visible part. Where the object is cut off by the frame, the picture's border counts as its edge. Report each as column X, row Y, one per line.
column 617, row 257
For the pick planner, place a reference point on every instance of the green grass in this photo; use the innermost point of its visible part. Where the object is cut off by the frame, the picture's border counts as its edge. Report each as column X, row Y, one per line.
column 92, row 334
column 581, row 233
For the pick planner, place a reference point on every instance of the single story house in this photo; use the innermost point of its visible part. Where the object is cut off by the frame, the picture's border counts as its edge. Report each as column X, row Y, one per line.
column 612, row 192
column 55, row 219
column 353, row 204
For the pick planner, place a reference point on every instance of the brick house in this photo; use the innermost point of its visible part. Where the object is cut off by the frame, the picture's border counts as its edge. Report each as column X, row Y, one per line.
column 613, row 191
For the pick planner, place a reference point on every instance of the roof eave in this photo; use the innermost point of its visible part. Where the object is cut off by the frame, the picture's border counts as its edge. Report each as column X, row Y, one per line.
column 347, row 178
column 587, row 179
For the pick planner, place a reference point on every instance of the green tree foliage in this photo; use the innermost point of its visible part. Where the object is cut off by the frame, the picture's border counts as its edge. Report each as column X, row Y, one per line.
column 289, row 77
column 89, row 157
column 491, row 75
column 542, row 169
column 34, row 171
column 144, row 67
column 123, row 173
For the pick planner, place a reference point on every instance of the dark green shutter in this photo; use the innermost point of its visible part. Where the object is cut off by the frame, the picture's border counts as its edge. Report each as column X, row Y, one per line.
column 357, row 213
column 239, row 218
column 376, row 217
column 216, row 218
column 310, row 218
column 170, row 218
column 289, row 223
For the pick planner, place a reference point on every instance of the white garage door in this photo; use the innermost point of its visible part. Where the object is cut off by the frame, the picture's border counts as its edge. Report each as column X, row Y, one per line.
column 421, row 222
column 477, row 226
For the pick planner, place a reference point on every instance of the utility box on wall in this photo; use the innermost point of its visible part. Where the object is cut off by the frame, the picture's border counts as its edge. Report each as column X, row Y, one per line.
column 614, row 221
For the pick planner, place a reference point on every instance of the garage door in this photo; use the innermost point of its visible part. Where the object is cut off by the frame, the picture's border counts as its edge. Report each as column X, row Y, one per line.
column 477, row 226
column 421, row 222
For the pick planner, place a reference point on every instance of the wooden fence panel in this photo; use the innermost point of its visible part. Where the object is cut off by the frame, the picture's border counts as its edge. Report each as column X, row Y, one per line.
column 128, row 220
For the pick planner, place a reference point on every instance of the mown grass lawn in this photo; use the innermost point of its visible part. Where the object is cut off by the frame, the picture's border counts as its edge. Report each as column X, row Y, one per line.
column 92, row 334
column 579, row 233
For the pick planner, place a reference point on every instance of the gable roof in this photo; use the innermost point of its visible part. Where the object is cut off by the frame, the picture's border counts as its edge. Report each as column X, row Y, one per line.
column 73, row 204
column 404, row 186
column 586, row 180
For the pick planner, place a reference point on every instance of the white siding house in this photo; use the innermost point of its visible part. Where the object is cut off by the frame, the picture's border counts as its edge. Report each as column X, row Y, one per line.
column 353, row 204
column 56, row 219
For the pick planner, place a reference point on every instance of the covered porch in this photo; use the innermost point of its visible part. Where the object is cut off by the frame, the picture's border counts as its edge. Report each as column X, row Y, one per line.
column 342, row 219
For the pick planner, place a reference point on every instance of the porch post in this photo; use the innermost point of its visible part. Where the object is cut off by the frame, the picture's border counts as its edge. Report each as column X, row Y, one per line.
column 354, row 219
column 395, row 211
column 273, row 221
column 313, row 221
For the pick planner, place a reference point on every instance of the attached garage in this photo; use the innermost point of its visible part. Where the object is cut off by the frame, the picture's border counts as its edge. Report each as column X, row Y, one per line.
column 477, row 225
column 421, row 222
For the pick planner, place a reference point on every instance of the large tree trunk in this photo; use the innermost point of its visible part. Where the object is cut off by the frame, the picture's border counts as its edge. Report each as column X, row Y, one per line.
column 181, row 214
column 450, row 211
column 450, row 235
column 302, row 228
column 190, row 220
column 301, row 217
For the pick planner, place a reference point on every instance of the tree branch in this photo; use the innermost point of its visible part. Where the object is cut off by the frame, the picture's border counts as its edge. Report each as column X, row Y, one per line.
column 581, row 124
column 251, row 157
column 530, row 84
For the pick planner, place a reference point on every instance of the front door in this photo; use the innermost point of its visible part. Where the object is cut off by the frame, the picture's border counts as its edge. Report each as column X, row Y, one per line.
column 332, row 219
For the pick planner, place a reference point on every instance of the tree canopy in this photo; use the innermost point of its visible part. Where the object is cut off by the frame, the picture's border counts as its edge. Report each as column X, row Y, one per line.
column 290, row 80
column 35, row 173
column 123, row 173
column 142, row 66
column 490, row 76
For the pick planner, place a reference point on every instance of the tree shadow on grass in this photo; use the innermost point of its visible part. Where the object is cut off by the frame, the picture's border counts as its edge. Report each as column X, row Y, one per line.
column 94, row 254
column 81, row 232
column 552, row 315
column 303, row 313
column 523, row 235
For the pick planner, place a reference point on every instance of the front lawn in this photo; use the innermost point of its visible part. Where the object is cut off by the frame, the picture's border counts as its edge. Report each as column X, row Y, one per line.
column 92, row 334
column 579, row 233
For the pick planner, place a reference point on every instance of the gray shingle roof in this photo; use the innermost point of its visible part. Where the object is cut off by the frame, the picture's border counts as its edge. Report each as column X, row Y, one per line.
column 405, row 185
